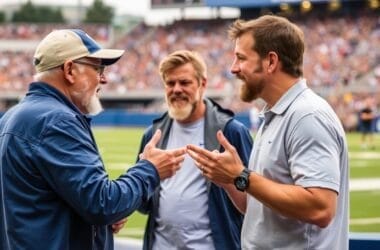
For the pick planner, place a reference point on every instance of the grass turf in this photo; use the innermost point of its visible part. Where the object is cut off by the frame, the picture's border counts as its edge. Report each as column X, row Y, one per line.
column 119, row 146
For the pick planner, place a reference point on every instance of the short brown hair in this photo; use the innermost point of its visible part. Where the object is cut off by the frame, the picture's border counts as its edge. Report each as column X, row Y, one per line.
column 181, row 57
column 277, row 34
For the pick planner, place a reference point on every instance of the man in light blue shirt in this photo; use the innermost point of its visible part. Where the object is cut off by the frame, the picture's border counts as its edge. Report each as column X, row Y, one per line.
column 297, row 178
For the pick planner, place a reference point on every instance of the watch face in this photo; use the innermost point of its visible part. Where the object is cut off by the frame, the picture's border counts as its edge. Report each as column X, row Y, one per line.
column 241, row 183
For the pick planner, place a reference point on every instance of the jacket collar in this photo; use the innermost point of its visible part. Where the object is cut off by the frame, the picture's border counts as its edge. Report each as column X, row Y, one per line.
column 42, row 88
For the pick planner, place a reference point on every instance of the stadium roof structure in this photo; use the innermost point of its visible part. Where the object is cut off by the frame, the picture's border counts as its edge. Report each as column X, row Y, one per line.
column 259, row 3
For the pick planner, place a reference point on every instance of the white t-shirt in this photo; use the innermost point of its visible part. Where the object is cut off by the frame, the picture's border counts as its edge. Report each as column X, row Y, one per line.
column 182, row 221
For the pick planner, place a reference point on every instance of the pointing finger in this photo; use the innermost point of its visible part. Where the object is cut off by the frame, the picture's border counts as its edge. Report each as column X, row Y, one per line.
column 156, row 137
column 199, row 150
column 179, row 151
column 199, row 159
column 223, row 141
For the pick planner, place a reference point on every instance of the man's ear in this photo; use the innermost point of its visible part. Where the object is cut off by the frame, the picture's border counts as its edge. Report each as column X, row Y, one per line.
column 204, row 82
column 272, row 61
column 67, row 69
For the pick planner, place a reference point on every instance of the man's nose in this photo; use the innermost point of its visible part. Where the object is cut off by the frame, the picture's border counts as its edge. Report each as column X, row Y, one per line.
column 234, row 67
column 103, row 79
column 177, row 87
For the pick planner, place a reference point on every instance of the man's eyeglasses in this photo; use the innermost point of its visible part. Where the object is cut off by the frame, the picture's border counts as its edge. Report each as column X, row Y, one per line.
column 97, row 67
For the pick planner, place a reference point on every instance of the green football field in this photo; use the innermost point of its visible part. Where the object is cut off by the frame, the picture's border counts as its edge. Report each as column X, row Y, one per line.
column 118, row 147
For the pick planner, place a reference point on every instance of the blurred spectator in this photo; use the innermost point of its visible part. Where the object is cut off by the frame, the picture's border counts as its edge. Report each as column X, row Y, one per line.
column 367, row 117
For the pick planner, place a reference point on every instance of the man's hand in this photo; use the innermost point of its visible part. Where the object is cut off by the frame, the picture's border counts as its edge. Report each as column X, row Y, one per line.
column 218, row 167
column 116, row 227
column 167, row 162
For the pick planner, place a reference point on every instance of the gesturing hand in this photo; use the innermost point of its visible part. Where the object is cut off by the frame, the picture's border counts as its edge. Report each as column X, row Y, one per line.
column 218, row 167
column 167, row 162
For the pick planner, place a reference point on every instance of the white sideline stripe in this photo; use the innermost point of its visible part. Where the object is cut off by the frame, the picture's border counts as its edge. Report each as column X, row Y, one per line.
column 128, row 243
column 364, row 155
column 365, row 184
column 129, row 240
column 365, row 221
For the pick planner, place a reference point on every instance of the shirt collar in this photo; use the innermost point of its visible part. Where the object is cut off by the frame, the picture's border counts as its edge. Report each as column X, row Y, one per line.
column 287, row 99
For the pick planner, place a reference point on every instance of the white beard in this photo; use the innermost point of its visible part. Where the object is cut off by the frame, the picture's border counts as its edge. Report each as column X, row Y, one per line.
column 94, row 106
column 90, row 106
column 180, row 113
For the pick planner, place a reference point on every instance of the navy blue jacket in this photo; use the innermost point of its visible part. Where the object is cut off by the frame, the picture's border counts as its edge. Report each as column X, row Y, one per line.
column 225, row 219
column 54, row 190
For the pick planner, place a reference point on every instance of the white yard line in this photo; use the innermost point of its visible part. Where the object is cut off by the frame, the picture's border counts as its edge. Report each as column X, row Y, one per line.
column 364, row 155
column 365, row 184
column 365, row 221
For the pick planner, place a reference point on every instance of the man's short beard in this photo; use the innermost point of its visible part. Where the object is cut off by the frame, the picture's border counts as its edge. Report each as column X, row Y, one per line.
column 248, row 93
column 183, row 112
column 251, row 91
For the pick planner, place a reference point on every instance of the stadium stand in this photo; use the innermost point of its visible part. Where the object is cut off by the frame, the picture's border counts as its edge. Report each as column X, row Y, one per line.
column 337, row 63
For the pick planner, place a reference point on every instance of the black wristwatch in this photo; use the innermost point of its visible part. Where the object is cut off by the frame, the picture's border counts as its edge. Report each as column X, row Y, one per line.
column 242, row 181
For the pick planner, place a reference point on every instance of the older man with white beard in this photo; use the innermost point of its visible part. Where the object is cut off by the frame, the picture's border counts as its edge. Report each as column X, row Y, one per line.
column 187, row 211
column 54, row 190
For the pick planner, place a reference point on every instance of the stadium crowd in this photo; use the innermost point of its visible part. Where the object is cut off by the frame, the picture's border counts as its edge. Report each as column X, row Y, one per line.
column 26, row 31
column 342, row 64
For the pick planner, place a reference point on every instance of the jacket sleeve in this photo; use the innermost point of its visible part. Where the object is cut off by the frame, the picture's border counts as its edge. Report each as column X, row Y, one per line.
column 70, row 162
column 146, row 205
column 240, row 137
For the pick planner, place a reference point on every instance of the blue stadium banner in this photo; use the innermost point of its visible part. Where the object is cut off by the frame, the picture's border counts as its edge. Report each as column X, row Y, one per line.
column 256, row 3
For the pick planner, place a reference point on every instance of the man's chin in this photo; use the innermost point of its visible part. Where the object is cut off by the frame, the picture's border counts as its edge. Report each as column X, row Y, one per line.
column 94, row 107
column 179, row 116
column 95, row 112
column 179, row 113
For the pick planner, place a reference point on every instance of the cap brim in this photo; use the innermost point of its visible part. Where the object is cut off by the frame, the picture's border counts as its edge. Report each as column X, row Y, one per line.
column 108, row 56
